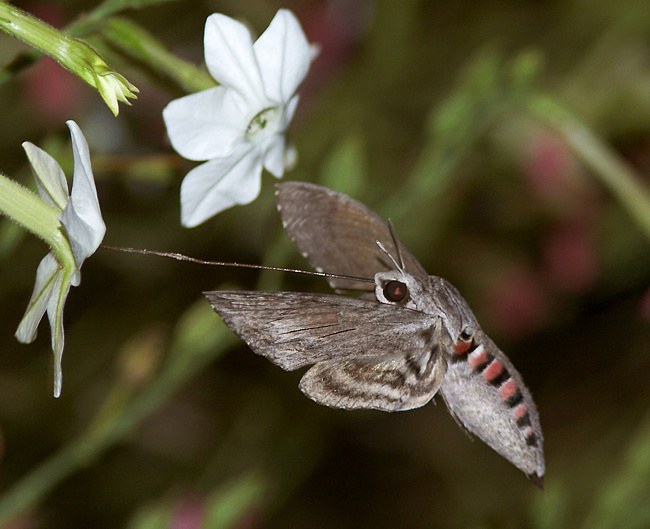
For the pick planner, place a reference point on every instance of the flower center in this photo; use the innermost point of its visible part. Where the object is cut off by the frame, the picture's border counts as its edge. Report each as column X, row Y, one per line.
column 264, row 124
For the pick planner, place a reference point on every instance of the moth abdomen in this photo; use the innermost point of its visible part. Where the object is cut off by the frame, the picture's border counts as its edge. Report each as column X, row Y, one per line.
column 496, row 374
column 485, row 393
column 462, row 350
column 522, row 417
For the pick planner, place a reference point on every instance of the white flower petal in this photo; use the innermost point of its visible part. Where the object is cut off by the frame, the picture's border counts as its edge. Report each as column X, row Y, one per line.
column 314, row 51
column 206, row 124
column 219, row 184
column 55, row 315
column 84, row 229
column 50, row 180
column 283, row 54
column 46, row 279
column 290, row 158
column 239, row 125
column 82, row 217
column 274, row 156
column 290, row 110
column 231, row 60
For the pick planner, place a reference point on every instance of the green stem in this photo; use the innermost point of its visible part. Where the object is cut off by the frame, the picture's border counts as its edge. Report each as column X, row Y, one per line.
column 612, row 171
column 199, row 341
column 73, row 54
column 29, row 29
column 92, row 20
column 135, row 42
column 27, row 209
column 87, row 24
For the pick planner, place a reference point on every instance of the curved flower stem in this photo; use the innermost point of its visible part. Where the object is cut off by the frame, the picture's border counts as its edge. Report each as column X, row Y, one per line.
column 200, row 339
column 73, row 54
column 95, row 18
column 84, row 25
column 27, row 209
column 137, row 43
column 613, row 172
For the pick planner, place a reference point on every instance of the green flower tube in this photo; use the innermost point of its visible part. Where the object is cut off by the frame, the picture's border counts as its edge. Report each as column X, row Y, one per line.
column 73, row 54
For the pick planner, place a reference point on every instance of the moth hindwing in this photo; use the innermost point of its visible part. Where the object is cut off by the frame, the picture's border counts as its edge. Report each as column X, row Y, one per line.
column 409, row 337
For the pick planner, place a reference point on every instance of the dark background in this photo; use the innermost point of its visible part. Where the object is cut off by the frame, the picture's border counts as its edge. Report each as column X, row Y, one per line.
column 417, row 109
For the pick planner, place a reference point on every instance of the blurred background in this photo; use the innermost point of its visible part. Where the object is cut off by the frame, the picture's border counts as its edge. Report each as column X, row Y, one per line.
column 427, row 112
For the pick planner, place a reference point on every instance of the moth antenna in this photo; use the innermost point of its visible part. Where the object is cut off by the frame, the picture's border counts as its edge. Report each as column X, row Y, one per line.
column 399, row 262
column 188, row 259
column 388, row 254
column 398, row 265
column 398, row 250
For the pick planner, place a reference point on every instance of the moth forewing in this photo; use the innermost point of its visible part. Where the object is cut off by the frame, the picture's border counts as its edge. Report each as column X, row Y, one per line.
column 295, row 329
column 337, row 234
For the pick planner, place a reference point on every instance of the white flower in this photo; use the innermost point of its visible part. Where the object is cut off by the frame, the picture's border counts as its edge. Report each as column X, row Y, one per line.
column 238, row 126
column 83, row 227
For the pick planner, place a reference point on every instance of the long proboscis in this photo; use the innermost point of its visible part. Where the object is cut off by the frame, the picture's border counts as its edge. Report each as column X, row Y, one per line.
column 188, row 259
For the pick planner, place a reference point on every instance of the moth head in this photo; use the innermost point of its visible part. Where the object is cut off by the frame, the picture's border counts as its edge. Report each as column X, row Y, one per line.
column 397, row 288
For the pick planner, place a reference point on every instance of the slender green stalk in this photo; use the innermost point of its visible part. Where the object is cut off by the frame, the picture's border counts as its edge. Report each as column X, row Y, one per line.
column 27, row 209
column 613, row 172
column 200, row 339
column 90, row 22
column 135, row 42
column 73, row 54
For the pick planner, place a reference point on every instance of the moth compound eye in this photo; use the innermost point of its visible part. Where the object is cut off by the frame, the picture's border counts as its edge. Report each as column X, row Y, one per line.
column 466, row 334
column 395, row 291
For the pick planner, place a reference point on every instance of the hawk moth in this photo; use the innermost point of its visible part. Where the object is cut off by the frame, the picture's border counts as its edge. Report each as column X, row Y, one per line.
column 408, row 337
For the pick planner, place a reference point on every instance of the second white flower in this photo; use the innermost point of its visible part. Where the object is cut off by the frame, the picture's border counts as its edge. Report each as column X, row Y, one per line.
column 239, row 126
